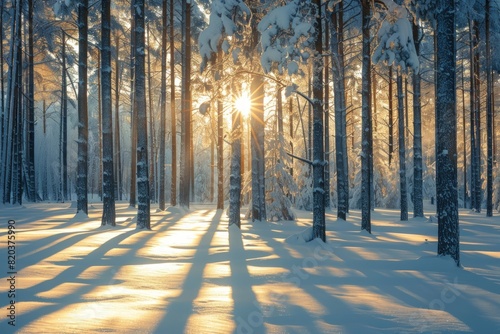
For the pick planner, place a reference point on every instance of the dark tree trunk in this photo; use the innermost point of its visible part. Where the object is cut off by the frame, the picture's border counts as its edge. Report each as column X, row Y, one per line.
column 133, row 123
column 446, row 134
column 418, row 202
column 258, row 163
column 83, row 119
column 318, row 138
column 143, row 199
column 489, row 117
column 163, row 111
column 185, row 163
column 30, row 110
column 391, row 116
column 150, row 117
column 402, row 150
column 327, row 118
column 64, row 124
column 173, row 118
column 337, row 49
column 235, row 176
column 366, row 137
column 108, row 190
column 220, row 142
column 477, row 119
column 118, row 150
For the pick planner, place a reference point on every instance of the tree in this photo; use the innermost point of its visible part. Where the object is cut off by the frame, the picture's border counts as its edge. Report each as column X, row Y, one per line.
column 30, row 111
column 108, row 190
column 338, row 64
column 185, row 163
column 173, row 118
column 163, row 112
column 366, row 125
column 143, row 201
column 489, row 115
column 446, row 133
column 235, row 175
column 83, row 131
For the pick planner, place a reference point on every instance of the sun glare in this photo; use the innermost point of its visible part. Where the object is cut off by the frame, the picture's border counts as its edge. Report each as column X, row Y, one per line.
column 243, row 104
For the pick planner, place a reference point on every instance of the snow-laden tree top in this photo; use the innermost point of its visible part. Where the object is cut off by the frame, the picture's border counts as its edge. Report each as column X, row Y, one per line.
column 396, row 45
column 227, row 21
column 287, row 33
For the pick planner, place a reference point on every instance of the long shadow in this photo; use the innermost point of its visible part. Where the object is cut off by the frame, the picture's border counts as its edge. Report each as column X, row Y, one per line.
column 78, row 266
column 180, row 309
column 247, row 311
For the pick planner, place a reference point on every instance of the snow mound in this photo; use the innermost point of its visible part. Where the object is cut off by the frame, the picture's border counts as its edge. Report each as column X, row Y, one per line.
column 80, row 217
column 301, row 237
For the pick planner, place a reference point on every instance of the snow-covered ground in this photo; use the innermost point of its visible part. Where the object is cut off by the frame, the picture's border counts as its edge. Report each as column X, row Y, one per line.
column 190, row 274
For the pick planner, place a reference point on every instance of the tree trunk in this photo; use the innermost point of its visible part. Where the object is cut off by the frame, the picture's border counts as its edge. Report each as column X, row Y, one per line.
column 108, row 190
column 489, row 117
column 337, row 49
column 163, row 111
column 30, row 110
column 258, row 163
column 173, row 118
column 150, row 118
column 235, row 176
column 391, row 115
column 133, row 123
column 83, row 120
column 64, row 124
column 402, row 150
column 318, row 138
column 143, row 199
column 418, row 202
column 327, row 119
column 220, row 141
column 118, row 151
column 185, row 164
column 477, row 118
column 366, row 137
column 446, row 143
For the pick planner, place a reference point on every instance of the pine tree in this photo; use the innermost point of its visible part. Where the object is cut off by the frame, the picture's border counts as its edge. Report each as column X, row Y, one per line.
column 108, row 214
column 446, row 134
column 143, row 200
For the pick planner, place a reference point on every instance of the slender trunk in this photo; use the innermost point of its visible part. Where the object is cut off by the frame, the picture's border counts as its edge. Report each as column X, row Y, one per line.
column 318, row 138
column 83, row 122
column 220, row 140
column 235, row 176
column 173, row 118
column 2, row 101
column 99, row 121
column 133, row 123
column 489, row 117
column 30, row 117
column 472, row 98
column 143, row 199
column 402, row 150
column 327, row 120
column 464, row 136
column 366, row 137
column 163, row 111
column 391, row 116
column 257, row 129
column 336, row 46
column 150, row 116
column 446, row 130
column 418, row 203
column 108, row 214
column 118, row 152
column 477, row 118
column 185, row 163
column 64, row 124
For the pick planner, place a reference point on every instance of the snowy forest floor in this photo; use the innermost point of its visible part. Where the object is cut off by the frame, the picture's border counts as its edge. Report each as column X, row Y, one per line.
column 191, row 274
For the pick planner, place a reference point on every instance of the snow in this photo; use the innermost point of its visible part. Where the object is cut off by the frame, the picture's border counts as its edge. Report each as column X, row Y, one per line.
column 193, row 274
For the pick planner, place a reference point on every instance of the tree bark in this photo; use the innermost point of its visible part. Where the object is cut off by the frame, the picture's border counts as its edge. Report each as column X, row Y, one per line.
column 83, row 121
column 258, row 163
column 366, row 136
column 173, row 113
column 108, row 214
column 30, row 110
column 143, row 199
column 402, row 150
column 185, row 163
column 446, row 134
column 163, row 112
column 489, row 116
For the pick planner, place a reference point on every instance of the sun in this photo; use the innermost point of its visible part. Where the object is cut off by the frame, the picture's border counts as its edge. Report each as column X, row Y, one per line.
column 243, row 104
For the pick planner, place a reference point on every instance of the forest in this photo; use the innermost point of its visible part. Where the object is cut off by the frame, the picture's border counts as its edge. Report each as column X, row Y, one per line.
column 258, row 107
